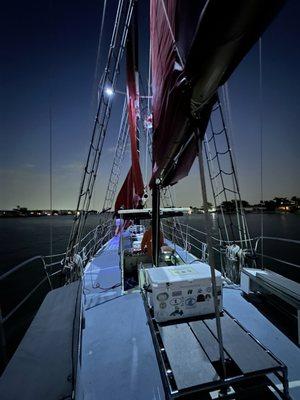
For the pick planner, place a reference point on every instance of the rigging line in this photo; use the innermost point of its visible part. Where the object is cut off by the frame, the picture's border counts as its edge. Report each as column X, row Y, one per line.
column 211, row 258
column 234, row 183
column 118, row 158
column 148, row 112
column 95, row 84
column 261, row 152
column 50, row 94
column 99, row 105
column 211, row 169
column 234, row 162
column 172, row 204
column 172, row 33
column 50, row 177
column 222, row 183
column 229, row 136
column 123, row 17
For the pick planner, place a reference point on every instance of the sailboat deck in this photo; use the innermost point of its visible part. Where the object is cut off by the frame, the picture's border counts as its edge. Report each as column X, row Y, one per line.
column 118, row 359
column 118, row 356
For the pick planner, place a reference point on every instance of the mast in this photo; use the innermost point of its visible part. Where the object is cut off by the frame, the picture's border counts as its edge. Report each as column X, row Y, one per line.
column 155, row 223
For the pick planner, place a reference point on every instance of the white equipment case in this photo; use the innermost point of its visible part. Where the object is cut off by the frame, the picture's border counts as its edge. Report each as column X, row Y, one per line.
column 182, row 291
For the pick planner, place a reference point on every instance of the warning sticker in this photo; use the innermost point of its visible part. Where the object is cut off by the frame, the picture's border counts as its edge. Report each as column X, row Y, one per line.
column 190, row 301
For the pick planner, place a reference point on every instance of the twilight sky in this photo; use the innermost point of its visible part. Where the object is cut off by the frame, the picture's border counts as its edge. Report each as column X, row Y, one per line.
column 48, row 54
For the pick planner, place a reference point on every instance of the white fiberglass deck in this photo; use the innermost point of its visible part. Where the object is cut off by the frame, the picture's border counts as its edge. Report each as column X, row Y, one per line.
column 118, row 358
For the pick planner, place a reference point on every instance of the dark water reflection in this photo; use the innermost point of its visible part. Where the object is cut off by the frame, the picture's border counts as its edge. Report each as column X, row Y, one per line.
column 22, row 238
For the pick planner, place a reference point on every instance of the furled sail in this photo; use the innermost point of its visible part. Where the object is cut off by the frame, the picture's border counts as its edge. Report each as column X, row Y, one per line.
column 133, row 187
column 125, row 196
column 195, row 47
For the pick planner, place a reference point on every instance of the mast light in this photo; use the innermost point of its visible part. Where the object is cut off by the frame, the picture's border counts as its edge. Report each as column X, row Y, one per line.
column 109, row 91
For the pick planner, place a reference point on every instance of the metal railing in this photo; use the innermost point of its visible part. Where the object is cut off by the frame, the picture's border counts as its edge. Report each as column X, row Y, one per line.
column 267, row 239
column 94, row 240
column 193, row 240
column 51, row 269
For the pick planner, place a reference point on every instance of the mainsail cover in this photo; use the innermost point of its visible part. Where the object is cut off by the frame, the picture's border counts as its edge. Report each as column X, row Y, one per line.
column 195, row 47
column 133, row 186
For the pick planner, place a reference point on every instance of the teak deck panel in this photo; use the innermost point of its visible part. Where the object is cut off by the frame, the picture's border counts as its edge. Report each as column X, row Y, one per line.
column 190, row 365
column 247, row 354
column 207, row 340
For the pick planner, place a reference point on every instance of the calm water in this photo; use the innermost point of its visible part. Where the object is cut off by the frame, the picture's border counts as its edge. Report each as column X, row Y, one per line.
column 22, row 238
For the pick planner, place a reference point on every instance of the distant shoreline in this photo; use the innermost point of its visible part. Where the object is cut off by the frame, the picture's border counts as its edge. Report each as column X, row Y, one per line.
column 36, row 216
column 194, row 213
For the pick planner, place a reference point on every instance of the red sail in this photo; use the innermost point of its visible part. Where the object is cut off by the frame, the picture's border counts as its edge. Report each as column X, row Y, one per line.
column 125, row 197
column 133, row 109
column 195, row 47
column 133, row 187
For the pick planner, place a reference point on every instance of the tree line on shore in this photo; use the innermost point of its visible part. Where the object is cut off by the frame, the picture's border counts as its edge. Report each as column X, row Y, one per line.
column 278, row 204
column 25, row 212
